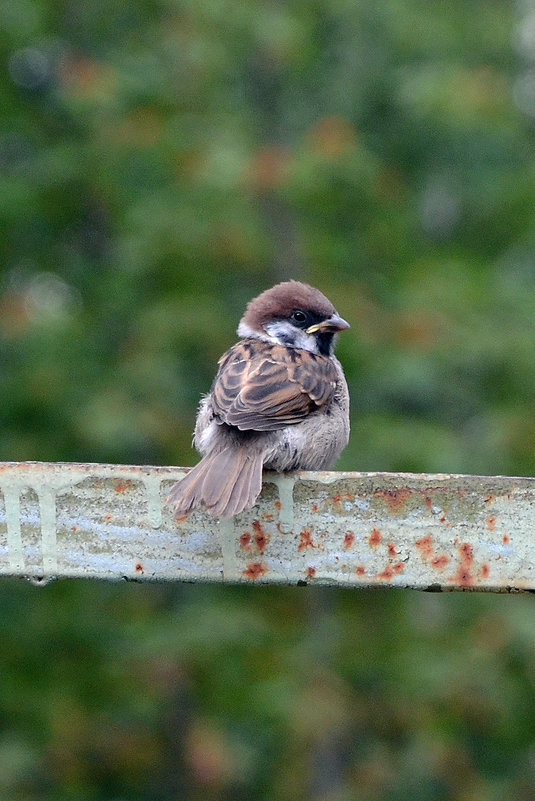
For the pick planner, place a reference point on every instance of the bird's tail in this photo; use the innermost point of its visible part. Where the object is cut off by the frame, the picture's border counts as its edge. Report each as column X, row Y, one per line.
column 226, row 483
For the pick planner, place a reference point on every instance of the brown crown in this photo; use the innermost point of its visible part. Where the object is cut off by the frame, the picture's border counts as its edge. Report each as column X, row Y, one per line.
column 282, row 299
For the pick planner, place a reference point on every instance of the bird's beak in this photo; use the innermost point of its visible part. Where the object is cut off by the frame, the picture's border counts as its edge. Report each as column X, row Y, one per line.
column 333, row 323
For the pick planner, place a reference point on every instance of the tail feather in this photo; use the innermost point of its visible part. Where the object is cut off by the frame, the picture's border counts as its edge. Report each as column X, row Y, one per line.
column 247, row 493
column 226, row 483
column 186, row 493
column 244, row 489
column 219, row 480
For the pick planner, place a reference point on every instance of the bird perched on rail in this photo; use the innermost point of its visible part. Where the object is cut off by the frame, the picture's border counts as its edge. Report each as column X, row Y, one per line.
column 279, row 401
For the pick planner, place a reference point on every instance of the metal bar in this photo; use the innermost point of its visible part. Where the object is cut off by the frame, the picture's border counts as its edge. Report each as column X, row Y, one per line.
column 440, row 532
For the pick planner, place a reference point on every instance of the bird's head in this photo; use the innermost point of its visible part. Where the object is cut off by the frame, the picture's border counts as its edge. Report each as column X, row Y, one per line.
column 295, row 315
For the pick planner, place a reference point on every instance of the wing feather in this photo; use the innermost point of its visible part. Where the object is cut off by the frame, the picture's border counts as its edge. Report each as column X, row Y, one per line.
column 265, row 387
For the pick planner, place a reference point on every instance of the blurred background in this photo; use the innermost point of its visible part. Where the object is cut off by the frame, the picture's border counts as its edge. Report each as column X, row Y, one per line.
column 161, row 162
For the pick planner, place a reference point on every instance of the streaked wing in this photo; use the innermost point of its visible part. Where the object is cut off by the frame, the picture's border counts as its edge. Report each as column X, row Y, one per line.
column 265, row 387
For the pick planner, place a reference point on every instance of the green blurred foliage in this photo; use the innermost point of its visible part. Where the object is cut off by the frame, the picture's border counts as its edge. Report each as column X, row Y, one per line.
column 160, row 163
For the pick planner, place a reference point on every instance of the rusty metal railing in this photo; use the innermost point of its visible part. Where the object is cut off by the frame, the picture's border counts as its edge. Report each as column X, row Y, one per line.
column 339, row 528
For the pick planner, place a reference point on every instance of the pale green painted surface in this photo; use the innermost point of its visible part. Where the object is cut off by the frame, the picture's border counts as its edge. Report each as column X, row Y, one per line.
column 346, row 529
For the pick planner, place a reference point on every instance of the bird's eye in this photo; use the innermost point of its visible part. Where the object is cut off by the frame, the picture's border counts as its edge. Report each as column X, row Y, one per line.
column 299, row 316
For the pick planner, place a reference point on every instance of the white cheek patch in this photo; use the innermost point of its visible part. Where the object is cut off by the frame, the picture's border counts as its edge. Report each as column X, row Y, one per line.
column 281, row 332
column 284, row 333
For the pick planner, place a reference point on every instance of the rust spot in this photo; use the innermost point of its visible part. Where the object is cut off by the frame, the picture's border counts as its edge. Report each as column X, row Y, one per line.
column 399, row 567
column 311, row 572
column 107, row 517
column 337, row 500
column 443, row 519
column 464, row 577
column 74, row 528
column 181, row 518
column 305, row 540
column 245, row 539
column 359, row 570
column 254, row 570
column 139, row 568
column 121, row 486
column 485, row 570
column 489, row 498
column 491, row 522
column 505, row 539
column 261, row 538
column 424, row 545
column 315, row 507
column 349, row 539
column 375, row 538
column 268, row 517
column 278, row 504
column 395, row 499
column 392, row 549
column 429, row 503
column 466, row 553
column 387, row 573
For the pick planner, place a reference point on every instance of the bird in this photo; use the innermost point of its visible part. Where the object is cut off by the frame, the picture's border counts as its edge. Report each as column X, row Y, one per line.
column 279, row 401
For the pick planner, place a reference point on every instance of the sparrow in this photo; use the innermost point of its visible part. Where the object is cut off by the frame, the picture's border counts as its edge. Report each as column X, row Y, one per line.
column 279, row 401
